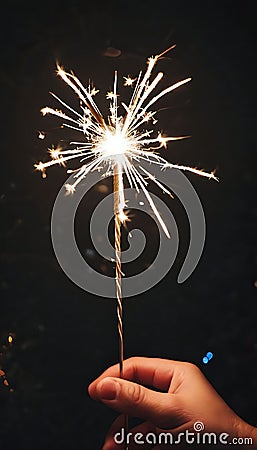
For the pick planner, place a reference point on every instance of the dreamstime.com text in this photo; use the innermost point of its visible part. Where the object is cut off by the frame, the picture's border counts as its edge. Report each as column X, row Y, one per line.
column 188, row 437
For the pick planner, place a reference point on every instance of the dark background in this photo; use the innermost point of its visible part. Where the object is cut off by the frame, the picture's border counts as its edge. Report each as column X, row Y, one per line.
column 64, row 337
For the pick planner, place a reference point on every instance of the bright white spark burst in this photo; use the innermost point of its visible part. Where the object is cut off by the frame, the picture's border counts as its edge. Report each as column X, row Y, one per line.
column 119, row 142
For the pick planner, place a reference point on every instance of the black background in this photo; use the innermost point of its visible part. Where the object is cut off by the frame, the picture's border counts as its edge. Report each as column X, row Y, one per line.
column 64, row 336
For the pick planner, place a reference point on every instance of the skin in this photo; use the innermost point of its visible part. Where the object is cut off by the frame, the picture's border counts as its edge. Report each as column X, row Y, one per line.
column 181, row 396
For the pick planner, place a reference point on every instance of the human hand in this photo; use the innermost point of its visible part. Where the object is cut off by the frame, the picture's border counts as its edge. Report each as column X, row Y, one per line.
column 185, row 399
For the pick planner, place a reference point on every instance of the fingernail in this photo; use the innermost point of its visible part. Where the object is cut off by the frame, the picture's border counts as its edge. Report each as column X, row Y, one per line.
column 108, row 389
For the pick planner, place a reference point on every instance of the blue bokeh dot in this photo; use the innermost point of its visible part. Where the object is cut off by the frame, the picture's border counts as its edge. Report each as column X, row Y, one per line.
column 205, row 360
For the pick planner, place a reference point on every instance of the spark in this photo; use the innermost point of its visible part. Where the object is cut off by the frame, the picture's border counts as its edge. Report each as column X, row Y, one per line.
column 111, row 95
column 70, row 189
column 41, row 135
column 56, row 155
column 129, row 81
column 41, row 167
column 119, row 142
column 94, row 91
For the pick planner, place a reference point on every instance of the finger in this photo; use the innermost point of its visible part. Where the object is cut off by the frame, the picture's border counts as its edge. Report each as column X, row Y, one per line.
column 162, row 409
column 135, row 437
column 155, row 372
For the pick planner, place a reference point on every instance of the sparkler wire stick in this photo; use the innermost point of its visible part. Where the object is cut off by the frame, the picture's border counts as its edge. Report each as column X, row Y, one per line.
column 118, row 274
column 117, row 189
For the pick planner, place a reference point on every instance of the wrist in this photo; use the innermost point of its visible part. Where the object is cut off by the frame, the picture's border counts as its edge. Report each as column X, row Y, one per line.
column 253, row 435
column 246, row 434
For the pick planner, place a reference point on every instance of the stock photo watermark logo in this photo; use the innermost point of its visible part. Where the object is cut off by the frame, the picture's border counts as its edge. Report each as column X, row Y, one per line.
column 83, row 275
column 196, row 436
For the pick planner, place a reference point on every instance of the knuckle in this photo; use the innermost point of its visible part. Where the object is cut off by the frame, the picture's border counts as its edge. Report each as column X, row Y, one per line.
column 192, row 367
column 133, row 360
column 136, row 393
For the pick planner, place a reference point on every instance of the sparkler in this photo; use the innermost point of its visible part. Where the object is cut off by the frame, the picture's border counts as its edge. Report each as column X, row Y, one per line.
column 116, row 146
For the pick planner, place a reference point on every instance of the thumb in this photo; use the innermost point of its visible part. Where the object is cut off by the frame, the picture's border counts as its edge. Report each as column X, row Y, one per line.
column 135, row 400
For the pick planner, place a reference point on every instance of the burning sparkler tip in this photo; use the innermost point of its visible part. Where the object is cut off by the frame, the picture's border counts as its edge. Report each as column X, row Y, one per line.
column 118, row 141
